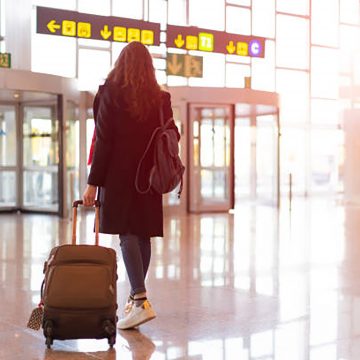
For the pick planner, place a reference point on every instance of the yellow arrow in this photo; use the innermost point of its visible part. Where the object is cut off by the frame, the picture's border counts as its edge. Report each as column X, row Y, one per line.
column 231, row 47
column 105, row 33
column 179, row 41
column 174, row 66
column 53, row 26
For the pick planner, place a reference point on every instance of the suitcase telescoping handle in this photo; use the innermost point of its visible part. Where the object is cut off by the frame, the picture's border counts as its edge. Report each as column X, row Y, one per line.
column 75, row 206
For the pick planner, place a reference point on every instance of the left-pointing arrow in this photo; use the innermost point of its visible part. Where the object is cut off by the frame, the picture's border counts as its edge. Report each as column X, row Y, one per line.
column 105, row 33
column 53, row 26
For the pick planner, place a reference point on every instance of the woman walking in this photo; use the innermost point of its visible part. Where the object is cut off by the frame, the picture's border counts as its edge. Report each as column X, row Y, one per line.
column 126, row 112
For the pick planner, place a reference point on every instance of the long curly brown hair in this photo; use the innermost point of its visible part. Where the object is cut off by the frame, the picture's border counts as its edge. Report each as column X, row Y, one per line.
column 134, row 71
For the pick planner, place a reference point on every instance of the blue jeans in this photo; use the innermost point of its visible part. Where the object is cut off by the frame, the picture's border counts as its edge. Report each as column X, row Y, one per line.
column 136, row 252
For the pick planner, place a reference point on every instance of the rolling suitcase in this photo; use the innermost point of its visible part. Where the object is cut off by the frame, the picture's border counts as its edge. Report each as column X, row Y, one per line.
column 79, row 290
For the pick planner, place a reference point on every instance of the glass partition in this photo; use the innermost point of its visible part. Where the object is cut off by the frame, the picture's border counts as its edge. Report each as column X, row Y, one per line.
column 210, row 164
column 8, row 155
column 40, row 158
column 256, row 140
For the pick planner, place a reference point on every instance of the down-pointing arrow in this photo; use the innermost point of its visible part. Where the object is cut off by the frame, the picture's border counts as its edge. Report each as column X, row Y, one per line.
column 174, row 66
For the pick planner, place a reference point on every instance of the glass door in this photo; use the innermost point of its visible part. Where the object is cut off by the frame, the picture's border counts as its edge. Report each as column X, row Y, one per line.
column 40, row 159
column 8, row 157
column 266, row 159
column 256, row 154
column 211, row 160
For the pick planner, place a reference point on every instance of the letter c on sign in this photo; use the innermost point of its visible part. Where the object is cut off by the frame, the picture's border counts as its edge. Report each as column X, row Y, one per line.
column 255, row 47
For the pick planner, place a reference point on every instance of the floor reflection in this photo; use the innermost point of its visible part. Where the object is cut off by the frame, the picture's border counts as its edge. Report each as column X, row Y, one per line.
column 256, row 284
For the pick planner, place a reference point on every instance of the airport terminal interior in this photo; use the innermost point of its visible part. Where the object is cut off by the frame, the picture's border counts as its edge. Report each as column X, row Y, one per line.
column 259, row 259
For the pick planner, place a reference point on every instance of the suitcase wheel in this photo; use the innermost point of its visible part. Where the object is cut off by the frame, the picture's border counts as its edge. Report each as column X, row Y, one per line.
column 48, row 342
column 48, row 330
column 112, row 341
column 109, row 328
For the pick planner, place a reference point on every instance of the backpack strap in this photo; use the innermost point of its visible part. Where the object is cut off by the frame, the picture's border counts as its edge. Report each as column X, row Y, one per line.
column 180, row 189
column 141, row 162
column 163, row 126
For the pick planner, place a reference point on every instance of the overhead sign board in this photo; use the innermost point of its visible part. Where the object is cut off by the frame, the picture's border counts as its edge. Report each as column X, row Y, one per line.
column 68, row 23
column 211, row 41
column 87, row 26
column 5, row 60
column 184, row 65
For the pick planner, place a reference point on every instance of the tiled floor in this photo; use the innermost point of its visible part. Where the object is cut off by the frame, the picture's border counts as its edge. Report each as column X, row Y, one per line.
column 256, row 284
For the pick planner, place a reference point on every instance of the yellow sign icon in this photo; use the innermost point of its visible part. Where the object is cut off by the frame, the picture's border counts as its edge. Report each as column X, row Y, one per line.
column 5, row 60
column 53, row 26
column 206, row 42
column 242, row 48
column 179, row 41
column 191, row 42
column 133, row 34
column 230, row 47
column 147, row 37
column 119, row 33
column 84, row 30
column 68, row 28
column 105, row 33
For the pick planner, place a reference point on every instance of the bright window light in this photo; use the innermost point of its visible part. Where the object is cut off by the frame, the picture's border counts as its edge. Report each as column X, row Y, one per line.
column 263, row 18
column 64, row 4
column 293, row 87
column 240, row 2
column 235, row 74
column 263, row 70
column 59, row 61
column 94, row 7
column 94, row 66
column 324, row 74
column 325, row 112
column 325, row 21
column 129, row 9
column 238, row 20
column 292, row 44
column 349, row 11
column 298, row 7
column 177, row 12
column 349, row 45
column 205, row 16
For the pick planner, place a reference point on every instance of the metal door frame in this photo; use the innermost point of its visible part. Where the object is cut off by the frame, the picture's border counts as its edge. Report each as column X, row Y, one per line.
column 182, row 96
column 21, row 81
column 15, row 167
column 231, row 123
column 53, row 106
column 19, row 168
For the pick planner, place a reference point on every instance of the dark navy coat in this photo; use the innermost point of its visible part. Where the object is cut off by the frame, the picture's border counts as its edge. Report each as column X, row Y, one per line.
column 120, row 143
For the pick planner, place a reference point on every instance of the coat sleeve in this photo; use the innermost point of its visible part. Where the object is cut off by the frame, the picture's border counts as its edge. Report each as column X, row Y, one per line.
column 168, row 113
column 104, row 138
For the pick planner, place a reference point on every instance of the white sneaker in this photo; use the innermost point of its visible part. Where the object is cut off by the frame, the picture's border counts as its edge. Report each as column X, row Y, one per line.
column 137, row 315
column 129, row 305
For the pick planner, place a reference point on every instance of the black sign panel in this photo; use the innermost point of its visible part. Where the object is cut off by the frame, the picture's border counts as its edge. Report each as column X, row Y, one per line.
column 74, row 24
column 194, row 38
